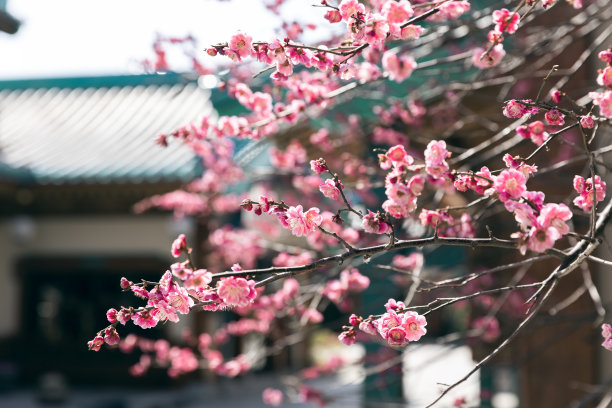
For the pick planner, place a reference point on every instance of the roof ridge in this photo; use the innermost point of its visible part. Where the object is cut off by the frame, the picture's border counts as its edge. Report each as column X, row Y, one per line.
column 109, row 81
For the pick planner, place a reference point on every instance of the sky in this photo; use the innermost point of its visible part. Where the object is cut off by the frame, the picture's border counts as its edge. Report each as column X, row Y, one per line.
column 62, row 38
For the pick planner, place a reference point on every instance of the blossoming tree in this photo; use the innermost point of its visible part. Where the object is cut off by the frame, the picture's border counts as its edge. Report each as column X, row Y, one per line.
column 429, row 125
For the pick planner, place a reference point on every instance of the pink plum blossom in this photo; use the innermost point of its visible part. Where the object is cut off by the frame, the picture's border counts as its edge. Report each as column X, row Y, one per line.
column 510, row 184
column 353, row 281
column 606, row 332
column 605, row 77
column 411, row 32
column 398, row 68
column 555, row 216
column 349, row 8
column 604, row 101
column 241, row 45
column 329, row 189
column 554, row 117
column 397, row 11
column 489, row 326
column 178, row 246
column 236, row 291
column 144, row 319
column 333, row 16
column 483, row 59
column 515, row 109
column 585, row 189
column 542, row 239
column 272, row 396
column 587, row 122
column 506, row 21
column 300, row 222
column 605, row 56
column 374, row 223
column 435, row 158
column 414, row 324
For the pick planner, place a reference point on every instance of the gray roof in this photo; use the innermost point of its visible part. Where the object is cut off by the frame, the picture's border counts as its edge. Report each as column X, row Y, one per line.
column 98, row 130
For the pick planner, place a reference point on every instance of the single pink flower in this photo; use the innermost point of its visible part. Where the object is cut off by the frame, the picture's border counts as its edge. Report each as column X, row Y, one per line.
column 554, row 117
column 414, row 324
column 329, row 189
column 398, row 68
column 300, row 222
column 411, row 32
column 510, row 184
column 489, row 327
column 542, row 239
column 587, row 122
column 515, row 109
column 605, row 77
column 178, row 246
column 272, row 396
column 506, row 21
column 397, row 336
column 555, row 216
column 111, row 337
column 333, row 16
column 349, row 8
column 242, row 45
column 353, row 281
column 144, row 319
column 397, row 11
column 235, row 291
column 435, row 158
column 96, row 343
column 483, row 59
column 373, row 222
column 347, row 337
column 606, row 56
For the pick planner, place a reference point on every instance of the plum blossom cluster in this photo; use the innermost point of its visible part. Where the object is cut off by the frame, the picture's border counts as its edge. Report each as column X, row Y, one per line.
column 402, row 187
column 300, row 222
column 397, row 325
column 535, row 131
column 338, row 290
column 178, row 290
column 506, row 22
column 541, row 224
column 446, row 225
column 603, row 99
column 365, row 26
column 591, row 190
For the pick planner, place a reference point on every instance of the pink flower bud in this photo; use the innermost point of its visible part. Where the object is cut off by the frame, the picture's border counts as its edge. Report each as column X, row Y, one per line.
column 179, row 245
column 211, row 51
column 246, row 204
column 125, row 284
column 347, row 337
column 318, row 166
column 556, row 95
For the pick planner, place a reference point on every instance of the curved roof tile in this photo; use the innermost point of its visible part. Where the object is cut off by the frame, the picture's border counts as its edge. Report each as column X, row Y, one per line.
column 98, row 133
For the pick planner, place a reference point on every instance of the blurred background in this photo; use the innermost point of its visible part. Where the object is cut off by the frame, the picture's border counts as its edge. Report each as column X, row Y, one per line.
column 81, row 103
column 79, row 114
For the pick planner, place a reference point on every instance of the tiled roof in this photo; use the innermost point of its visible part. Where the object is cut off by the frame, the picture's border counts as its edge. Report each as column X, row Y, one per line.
column 97, row 130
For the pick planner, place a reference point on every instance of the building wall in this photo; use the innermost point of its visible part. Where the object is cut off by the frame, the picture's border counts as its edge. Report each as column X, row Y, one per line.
column 149, row 235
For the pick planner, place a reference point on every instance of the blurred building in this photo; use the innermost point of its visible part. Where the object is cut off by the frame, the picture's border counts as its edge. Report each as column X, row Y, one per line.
column 75, row 155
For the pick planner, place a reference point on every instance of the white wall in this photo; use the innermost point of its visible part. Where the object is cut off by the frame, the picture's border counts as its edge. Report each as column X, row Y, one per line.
column 104, row 235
